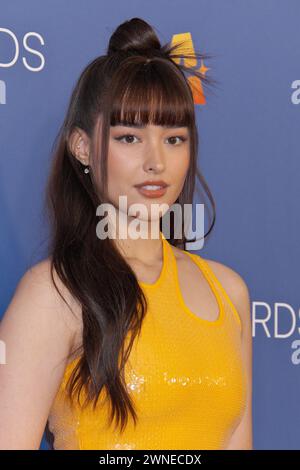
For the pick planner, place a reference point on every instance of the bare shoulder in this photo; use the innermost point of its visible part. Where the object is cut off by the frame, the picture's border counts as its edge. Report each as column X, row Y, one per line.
column 236, row 288
column 233, row 283
column 44, row 304
column 231, row 279
column 38, row 286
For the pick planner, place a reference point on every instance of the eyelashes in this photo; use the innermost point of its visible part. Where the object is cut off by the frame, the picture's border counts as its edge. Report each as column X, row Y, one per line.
column 121, row 137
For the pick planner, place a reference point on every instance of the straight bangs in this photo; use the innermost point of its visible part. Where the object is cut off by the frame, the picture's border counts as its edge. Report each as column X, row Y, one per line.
column 151, row 93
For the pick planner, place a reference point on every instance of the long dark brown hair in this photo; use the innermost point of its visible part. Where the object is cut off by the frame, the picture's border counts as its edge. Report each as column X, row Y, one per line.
column 124, row 87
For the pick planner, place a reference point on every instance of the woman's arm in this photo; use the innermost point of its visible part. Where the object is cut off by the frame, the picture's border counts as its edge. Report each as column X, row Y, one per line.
column 241, row 438
column 37, row 329
column 237, row 289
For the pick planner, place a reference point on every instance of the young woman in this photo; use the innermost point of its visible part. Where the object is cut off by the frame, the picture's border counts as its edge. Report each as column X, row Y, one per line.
column 126, row 343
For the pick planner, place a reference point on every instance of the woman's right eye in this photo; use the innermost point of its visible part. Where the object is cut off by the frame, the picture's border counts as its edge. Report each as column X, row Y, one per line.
column 124, row 137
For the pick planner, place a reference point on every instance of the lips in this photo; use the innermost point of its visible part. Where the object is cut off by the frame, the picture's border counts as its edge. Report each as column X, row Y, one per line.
column 160, row 183
column 152, row 193
column 152, row 189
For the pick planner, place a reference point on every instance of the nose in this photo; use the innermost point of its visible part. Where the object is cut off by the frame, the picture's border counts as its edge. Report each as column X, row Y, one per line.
column 154, row 159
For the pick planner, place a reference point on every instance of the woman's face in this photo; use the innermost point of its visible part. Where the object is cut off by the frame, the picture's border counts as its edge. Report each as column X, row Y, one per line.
column 153, row 153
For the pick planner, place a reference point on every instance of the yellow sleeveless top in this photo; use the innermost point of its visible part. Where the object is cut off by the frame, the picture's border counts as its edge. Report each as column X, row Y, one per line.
column 185, row 374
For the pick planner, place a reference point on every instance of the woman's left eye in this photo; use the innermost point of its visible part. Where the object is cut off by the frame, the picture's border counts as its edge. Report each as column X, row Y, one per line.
column 182, row 138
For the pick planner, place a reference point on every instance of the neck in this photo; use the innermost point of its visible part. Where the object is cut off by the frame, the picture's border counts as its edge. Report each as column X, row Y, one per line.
column 144, row 244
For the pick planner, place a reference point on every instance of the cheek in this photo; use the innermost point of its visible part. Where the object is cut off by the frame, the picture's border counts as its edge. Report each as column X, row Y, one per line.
column 119, row 168
column 180, row 167
column 122, row 174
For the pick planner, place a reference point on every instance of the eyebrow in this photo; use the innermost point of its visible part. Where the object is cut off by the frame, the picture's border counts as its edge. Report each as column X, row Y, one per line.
column 143, row 126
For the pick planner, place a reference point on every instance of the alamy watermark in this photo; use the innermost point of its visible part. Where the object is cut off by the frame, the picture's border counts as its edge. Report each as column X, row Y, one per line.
column 140, row 223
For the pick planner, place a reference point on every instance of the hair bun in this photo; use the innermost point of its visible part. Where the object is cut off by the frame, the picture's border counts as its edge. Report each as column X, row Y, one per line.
column 136, row 36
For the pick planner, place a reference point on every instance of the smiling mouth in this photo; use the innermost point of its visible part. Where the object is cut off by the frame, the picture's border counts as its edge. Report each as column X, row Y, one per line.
column 152, row 191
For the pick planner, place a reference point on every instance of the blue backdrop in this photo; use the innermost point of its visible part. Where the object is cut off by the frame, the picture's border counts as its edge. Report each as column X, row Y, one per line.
column 249, row 155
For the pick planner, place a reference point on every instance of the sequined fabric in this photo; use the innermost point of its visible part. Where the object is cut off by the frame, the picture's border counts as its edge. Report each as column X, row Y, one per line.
column 184, row 373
